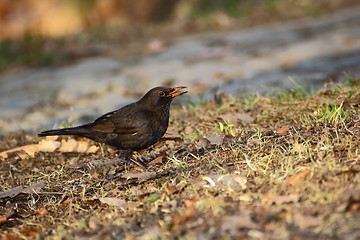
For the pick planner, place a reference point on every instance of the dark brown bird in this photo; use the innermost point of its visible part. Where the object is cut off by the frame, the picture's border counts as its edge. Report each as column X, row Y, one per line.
column 133, row 127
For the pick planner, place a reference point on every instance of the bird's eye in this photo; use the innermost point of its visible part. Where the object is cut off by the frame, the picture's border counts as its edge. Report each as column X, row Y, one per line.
column 161, row 94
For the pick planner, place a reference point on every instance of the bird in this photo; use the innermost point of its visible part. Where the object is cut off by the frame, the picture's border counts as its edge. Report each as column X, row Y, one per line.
column 133, row 127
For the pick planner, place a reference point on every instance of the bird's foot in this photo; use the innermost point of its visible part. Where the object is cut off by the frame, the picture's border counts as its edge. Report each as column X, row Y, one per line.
column 127, row 157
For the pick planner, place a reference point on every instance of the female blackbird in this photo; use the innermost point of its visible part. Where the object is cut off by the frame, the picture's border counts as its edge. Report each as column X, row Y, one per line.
column 133, row 127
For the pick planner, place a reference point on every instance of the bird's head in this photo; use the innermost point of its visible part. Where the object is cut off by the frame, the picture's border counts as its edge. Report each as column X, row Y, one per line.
column 161, row 96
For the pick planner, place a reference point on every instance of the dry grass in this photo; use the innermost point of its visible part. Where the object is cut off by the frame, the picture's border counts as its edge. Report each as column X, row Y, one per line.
column 299, row 183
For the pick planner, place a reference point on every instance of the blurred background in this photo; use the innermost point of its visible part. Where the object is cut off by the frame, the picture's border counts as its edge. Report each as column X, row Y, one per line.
column 54, row 18
column 62, row 59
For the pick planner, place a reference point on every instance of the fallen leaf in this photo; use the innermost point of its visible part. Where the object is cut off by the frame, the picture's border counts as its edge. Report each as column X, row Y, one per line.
column 11, row 192
column 5, row 218
column 299, row 148
column 350, row 193
column 352, row 170
column 350, row 198
column 10, row 237
column 281, row 199
column 191, row 201
column 171, row 189
column 40, row 212
column 140, row 176
column 172, row 135
column 155, row 46
column 216, row 139
column 246, row 118
column 48, row 145
column 321, row 100
column 203, row 143
column 82, row 146
column 22, row 152
column 158, row 159
column 71, row 145
column 298, row 177
column 92, row 149
column 236, row 118
column 34, row 188
column 234, row 223
column 15, row 191
column 67, row 146
column 283, row 130
column 188, row 130
column 30, row 231
column 305, row 221
column 117, row 202
column 228, row 139
column 230, row 183
column 189, row 213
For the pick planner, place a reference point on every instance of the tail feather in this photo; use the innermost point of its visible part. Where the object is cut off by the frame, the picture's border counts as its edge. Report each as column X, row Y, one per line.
column 63, row 131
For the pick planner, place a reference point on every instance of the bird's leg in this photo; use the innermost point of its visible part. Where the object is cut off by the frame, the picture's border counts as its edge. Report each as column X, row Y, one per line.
column 135, row 160
column 126, row 156
column 121, row 157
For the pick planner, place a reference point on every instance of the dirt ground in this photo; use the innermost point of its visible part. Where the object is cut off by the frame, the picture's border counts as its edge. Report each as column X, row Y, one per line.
column 285, row 166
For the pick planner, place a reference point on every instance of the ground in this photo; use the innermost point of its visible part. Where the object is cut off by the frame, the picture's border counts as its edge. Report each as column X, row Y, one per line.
column 284, row 166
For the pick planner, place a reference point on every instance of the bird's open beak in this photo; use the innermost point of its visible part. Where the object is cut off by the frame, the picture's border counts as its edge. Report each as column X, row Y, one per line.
column 177, row 91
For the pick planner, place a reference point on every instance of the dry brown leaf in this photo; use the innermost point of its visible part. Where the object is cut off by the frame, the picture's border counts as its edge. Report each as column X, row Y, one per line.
column 15, row 191
column 68, row 146
column 171, row 135
column 298, row 177
column 117, row 202
column 281, row 199
column 237, row 117
column 140, row 176
column 30, row 231
column 189, row 213
column 228, row 138
column 306, row 221
column 171, row 189
column 23, row 151
column 203, row 143
column 155, row 46
column 350, row 198
column 299, row 148
column 34, row 188
column 41, row 212
column 82, row 146
column 283, row 130
column 11, row 192
column 188, row 130
column 159, row 159
column 191, row 201
column 321, row 100
column 92, row 149
column 216, row 139
column 5, row 218
column 219, row 139
column 71, row 145
column 48, row 145
column 230, row 183
column 235, row 223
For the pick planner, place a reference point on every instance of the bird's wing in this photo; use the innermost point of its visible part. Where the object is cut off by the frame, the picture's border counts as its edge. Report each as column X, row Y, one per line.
column 113, row 122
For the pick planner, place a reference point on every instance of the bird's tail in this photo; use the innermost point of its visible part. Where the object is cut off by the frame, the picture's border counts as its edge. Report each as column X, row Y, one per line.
column 63, row 131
